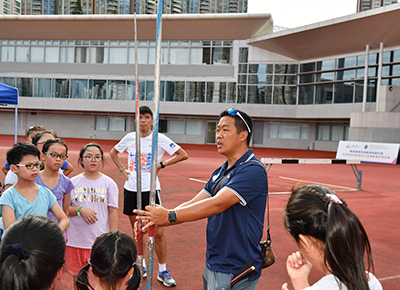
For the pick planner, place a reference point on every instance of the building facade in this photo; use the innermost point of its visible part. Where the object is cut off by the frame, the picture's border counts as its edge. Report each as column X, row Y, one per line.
column 10, row 7
column 305, row 88
column 363, row 5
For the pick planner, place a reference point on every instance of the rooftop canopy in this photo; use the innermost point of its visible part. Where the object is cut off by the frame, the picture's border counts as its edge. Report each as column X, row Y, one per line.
column 121, row 27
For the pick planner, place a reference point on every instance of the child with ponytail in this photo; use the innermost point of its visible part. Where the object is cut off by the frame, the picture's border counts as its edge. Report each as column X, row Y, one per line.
column 112, row 258
column 331, row 238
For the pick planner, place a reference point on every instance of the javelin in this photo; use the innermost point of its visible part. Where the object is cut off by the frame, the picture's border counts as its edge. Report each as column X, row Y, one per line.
column 138, row 165
column 154, row 147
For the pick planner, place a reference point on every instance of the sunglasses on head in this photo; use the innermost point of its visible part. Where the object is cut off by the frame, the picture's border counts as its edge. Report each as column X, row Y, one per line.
column 234, row 112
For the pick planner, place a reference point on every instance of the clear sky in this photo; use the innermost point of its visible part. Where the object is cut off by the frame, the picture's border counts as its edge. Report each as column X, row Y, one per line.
column 295, row 13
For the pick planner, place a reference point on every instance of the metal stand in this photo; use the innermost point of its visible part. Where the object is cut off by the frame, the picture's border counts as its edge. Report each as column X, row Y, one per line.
column 358, row 174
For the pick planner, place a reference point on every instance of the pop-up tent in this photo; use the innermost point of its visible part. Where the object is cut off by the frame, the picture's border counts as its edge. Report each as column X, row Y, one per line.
column 9, row 96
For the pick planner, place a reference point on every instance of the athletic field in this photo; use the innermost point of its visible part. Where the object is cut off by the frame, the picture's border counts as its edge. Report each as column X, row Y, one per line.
column 377, row 206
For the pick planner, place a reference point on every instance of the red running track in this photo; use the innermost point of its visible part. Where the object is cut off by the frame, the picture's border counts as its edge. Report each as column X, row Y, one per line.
column 376, row 205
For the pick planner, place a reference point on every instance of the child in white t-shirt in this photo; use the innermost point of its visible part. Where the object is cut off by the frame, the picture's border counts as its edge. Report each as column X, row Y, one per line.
column 93, row 207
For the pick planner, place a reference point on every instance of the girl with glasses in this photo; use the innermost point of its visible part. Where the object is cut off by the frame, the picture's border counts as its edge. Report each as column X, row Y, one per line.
column 93, row 207
column 54, row 153
column 331, row 238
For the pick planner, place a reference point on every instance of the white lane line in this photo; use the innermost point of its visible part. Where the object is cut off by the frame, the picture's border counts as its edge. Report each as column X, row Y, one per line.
column 315, row 182
column 389, row 278
column 198, row 180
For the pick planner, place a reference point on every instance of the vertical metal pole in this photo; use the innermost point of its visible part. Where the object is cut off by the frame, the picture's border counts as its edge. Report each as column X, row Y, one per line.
column 16, row 123
column 379, row 81
column 138, row 164
column 154, row 147
column 365, row 92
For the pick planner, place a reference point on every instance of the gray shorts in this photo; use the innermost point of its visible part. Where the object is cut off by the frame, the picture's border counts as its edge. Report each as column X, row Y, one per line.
column 222, row 281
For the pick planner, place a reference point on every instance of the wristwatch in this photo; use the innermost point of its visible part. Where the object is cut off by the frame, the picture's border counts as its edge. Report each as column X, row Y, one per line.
column 172, row 216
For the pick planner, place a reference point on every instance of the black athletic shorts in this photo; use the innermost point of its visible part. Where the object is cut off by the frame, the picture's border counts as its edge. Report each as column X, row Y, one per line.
column 130, row 202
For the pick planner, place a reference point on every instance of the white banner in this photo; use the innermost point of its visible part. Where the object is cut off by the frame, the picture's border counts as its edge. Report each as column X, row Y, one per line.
column 368, row 151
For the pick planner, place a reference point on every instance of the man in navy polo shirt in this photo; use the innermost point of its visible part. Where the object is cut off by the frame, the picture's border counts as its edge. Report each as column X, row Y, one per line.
column 233, row 200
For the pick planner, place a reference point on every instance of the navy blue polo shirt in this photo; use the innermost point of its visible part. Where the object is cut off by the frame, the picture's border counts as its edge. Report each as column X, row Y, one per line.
column 233, row 236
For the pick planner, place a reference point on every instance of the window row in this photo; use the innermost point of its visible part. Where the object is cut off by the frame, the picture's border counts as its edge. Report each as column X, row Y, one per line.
column 351, row 62
column 346, row 92
column 114, row 53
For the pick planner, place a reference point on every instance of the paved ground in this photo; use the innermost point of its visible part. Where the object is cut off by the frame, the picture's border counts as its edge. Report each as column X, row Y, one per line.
column 376, row 205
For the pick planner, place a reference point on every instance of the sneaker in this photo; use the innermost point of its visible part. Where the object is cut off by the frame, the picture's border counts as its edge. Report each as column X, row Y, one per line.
column 144, row 271
column 166, row 278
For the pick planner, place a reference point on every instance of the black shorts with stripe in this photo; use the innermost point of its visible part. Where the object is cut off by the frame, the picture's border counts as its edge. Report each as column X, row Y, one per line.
column 130, row 200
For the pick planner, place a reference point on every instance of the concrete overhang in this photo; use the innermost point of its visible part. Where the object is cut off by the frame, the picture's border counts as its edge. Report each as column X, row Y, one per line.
column 338, row 36
column 121, row 27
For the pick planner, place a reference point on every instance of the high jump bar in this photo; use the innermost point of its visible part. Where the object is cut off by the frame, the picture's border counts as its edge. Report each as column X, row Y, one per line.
column 353, row 162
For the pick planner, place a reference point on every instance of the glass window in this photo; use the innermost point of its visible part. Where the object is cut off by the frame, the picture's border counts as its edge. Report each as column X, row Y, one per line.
column 323, row 132
column 79, row 89
column 259, row 94
column 178, row 55
column 149, row 90
column 307, row 67
column 243, row 68
column 324, row 94
column 116, row 90
column 216, row 92
column 285, row 79
column 344, row 92
column 396, row 56
column 261, row 68
column 273, row 130
column 345, row 75
column 346, row 62
column 221, row 55
column 260, row 79
column 206, row 55
column 371, row 91
column 289, row 131
column 359, row 92
column 193, row 127
column 175, row 91
column 97, row 89
column 258, row 132
column 101, row 123
column 305, row 79
column 243, row 54
column 396, row 70
column 67, row 55
column 42, row 88
column 7, row 53
column 176, row 127
column 142, row 55
column 25, row 87
column 326, row 65
column 8, row 81
column 37, row 54
column 242, row 79
column 325, row 77
column 337, row 132
column 196, row 56
column 60, row 88
column 118, row 55
column 81, row 54
column 231, row 93
column 22, row 54
column 51, row 54
column 116, row 124
column 97, row 55
column 304, row 129
column 285, row 95
column 386, row 58
column 306, row 95
column 195, row 91
column 241, row 94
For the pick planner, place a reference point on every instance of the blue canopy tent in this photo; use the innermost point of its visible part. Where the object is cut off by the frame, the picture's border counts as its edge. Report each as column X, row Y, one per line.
column 9, row 96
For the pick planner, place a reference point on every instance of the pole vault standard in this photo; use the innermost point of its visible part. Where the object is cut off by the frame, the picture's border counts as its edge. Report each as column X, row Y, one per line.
column 154, row 147
column 138, row 165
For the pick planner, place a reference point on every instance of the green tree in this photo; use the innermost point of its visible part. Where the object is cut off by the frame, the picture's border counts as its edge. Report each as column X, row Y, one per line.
column 114, row 11
column 77, row 8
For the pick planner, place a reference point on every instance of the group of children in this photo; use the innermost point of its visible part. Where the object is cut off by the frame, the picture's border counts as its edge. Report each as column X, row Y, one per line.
column 34, row 250
column 85, row 208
